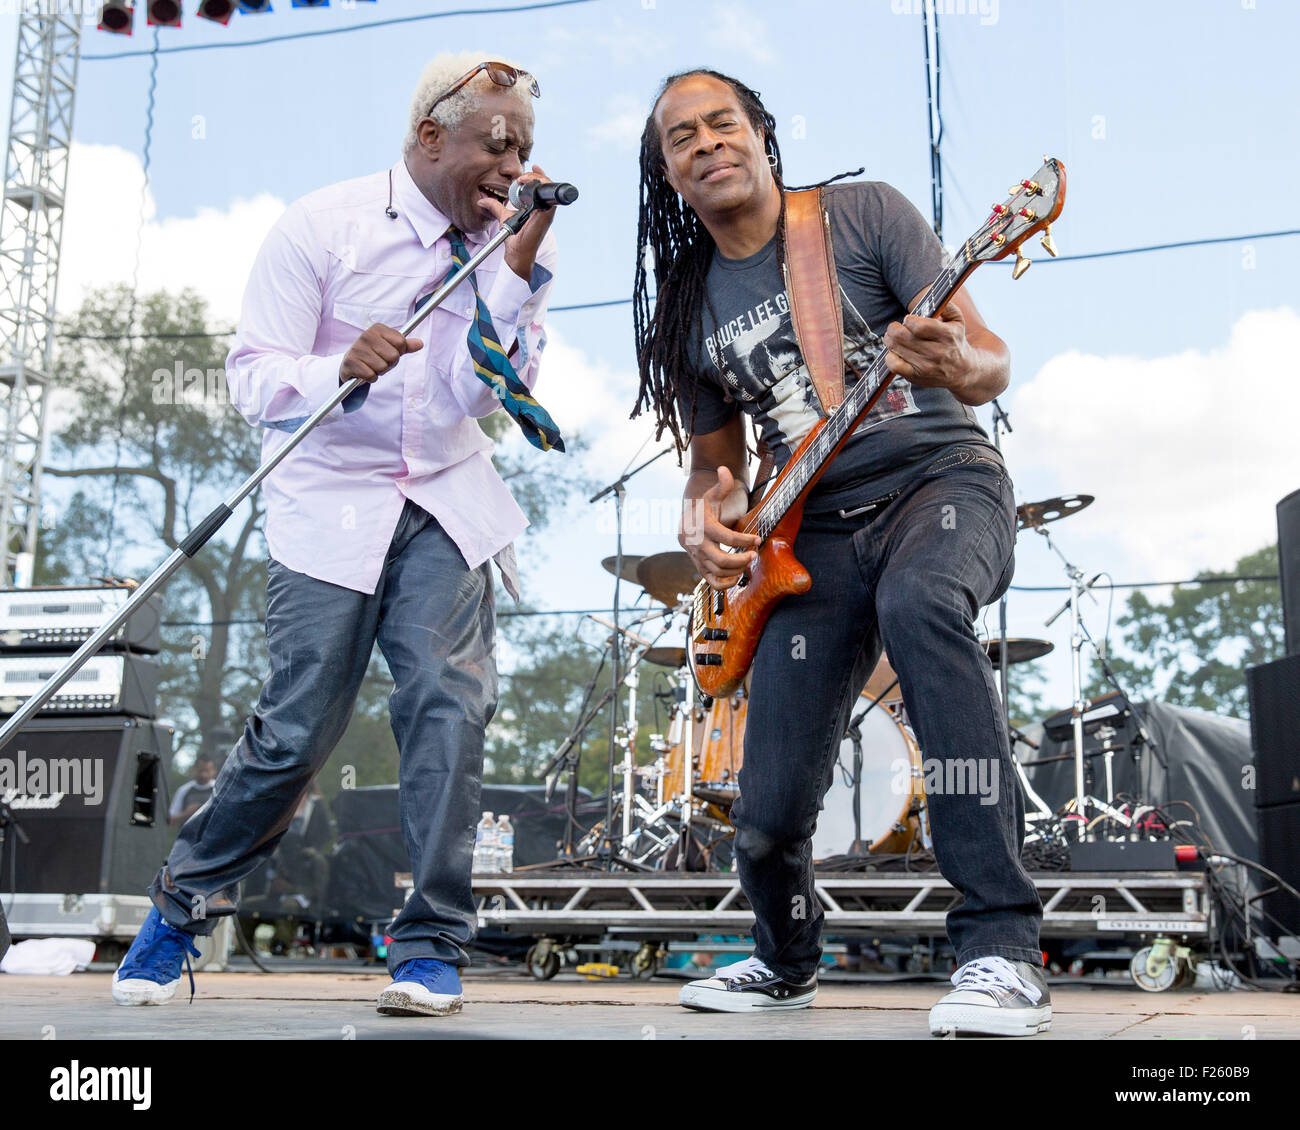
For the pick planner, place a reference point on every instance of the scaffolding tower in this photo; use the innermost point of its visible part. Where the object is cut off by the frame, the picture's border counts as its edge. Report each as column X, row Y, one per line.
column 31, row 228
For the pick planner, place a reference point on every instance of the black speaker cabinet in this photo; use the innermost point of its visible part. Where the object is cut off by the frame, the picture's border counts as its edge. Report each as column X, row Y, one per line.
column 1279, row 851
column 90, row 795
column 1288, row 560
column 1275, row 729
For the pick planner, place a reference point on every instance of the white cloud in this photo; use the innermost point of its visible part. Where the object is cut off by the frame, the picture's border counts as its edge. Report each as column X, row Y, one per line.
column 737, row 28
column 211, row 251
column 1187, row 454
column 622, row 125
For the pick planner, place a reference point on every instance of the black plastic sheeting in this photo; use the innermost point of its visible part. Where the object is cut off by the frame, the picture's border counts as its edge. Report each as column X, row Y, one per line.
column 1195, row 756
column 370, row 849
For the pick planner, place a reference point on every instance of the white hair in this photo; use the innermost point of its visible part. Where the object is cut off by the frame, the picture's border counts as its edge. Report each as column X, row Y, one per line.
column 441, row 74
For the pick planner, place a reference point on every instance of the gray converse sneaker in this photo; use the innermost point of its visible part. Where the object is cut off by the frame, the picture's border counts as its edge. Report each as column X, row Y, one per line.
column 994, row 997
column 746, row 986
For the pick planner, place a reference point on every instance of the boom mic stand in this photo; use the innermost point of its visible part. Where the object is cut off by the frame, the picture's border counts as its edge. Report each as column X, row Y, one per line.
column 198, row 537
column 1078, row 635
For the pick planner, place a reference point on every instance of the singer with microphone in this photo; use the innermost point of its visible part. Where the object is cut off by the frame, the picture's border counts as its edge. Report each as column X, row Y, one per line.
column 383, row 524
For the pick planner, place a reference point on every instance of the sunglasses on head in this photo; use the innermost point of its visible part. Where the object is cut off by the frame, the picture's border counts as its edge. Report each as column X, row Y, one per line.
column 503, row 74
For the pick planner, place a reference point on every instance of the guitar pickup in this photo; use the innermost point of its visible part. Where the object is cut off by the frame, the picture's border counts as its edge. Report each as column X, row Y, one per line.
column 707, row 659
column 718, row 634
column 719, row 602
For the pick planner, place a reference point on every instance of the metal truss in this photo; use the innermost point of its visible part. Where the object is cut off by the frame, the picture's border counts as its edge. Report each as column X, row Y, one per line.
column 31, row 229
column 574, row 904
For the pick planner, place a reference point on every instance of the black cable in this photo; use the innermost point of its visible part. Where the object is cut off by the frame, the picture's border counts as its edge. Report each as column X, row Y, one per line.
column 1241, row 907
column 243, row 944
column 1150, row 584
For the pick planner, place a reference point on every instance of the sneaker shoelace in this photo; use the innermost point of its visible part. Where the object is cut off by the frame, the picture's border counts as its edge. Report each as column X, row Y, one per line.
column 994, row 973
column 162, row 946
column 742, row 972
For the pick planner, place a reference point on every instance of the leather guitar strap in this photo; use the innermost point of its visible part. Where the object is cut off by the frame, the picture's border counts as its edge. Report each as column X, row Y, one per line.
column 814, row 294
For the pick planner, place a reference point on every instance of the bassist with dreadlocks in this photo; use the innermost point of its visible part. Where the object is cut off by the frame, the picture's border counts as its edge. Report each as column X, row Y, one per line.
column 907, row 535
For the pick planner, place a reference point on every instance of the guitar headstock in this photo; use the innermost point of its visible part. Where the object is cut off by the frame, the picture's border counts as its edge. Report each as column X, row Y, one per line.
column 1031, row 207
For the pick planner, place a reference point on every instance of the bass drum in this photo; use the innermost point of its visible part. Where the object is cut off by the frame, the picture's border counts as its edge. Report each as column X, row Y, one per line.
column 892, row 794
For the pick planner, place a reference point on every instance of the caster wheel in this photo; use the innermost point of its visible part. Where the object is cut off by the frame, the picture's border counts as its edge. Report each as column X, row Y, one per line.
column 543, row 963
column 645, row 963
column 1153, row 978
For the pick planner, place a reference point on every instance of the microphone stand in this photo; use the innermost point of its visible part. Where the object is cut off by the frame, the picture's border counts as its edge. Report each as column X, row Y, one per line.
column 619, row 491
column 855, row 735
column 198, row 537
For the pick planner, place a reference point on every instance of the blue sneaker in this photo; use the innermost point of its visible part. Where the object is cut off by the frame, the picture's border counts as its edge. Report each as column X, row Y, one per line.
column 151, row 969
column 422, row 986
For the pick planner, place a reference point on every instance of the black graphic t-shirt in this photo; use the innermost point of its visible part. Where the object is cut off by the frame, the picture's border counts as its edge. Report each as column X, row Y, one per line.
column 885, row 253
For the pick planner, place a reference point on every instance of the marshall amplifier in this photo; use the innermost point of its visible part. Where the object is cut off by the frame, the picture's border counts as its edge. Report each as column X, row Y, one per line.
column 105, row 684
column 90, row 796
column 62, row 619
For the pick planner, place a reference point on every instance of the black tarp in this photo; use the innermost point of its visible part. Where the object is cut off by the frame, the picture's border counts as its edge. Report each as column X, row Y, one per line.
column 1196, row 756
column 370, row 849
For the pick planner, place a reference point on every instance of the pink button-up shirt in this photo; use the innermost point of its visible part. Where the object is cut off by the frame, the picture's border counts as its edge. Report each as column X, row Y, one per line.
column 333, row 265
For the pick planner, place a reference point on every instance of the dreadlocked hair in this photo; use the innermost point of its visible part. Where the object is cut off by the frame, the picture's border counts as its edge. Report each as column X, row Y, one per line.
column 680, row 248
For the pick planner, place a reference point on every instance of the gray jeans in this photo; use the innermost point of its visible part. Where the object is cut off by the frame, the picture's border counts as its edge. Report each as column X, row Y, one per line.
column 434, row 620
column 911, row 579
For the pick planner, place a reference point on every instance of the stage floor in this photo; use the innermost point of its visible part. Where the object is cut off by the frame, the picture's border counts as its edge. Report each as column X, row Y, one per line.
column 332, row 1006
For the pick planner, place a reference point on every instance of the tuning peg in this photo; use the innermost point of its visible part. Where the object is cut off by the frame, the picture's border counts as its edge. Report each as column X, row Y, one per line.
column 1047, row 243
column 1022, row 264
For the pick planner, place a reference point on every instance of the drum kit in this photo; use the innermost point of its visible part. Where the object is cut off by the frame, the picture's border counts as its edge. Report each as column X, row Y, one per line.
column 674, row 812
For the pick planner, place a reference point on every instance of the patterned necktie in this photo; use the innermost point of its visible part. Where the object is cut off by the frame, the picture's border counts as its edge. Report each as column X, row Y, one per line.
column 494, row 369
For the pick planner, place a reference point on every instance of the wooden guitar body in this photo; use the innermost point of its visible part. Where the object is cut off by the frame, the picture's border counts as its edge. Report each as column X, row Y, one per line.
column 742, row 611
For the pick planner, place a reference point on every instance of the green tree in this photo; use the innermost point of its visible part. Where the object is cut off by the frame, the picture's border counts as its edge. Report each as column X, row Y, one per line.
column 149, row 432
column 1193, row 649
column 542, row 697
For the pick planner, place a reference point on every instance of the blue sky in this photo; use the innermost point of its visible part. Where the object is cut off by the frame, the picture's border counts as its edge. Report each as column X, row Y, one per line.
column 1163, row 382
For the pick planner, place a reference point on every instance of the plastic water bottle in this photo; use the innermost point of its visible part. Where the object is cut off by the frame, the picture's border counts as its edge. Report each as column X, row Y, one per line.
column 505, row 844
column 485, row 846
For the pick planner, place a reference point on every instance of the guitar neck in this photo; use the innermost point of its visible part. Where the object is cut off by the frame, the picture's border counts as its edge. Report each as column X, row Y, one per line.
column 800, row 475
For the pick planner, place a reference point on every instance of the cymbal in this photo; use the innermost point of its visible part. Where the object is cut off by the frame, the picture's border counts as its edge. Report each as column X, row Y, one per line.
column 673, row 657
column 630, row 563
column 1018, row 650
column 668, row 576
column 1031, row 515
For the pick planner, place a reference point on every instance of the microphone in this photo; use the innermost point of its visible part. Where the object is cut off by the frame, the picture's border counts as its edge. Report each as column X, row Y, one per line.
column 531, row 194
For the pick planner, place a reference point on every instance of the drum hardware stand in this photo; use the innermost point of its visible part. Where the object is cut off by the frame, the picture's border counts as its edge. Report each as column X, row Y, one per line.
column 198, row 537
column 1079, row 634
column 1042, row 811
column 687, row 707
column 618, row 488
column 567, row 759
column 854, row 733
column 628, row 731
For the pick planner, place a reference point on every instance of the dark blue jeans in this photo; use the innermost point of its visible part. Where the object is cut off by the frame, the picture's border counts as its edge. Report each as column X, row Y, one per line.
column 913, row 577
column 434, row 620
